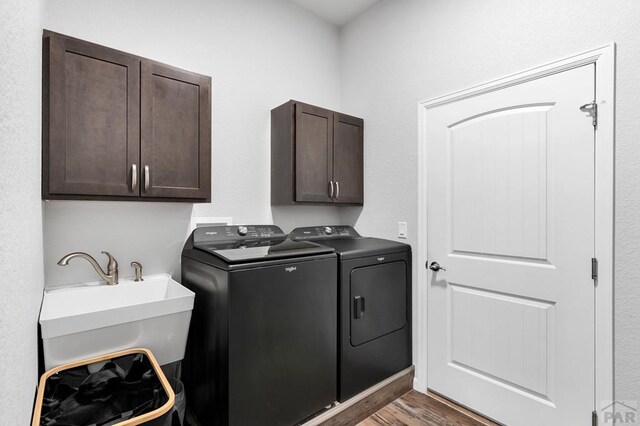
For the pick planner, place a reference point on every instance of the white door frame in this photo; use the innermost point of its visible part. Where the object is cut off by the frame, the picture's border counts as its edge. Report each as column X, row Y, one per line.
column 604, row 60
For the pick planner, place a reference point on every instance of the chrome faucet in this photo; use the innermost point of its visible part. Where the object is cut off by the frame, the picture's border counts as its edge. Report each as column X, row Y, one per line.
column 111, row 276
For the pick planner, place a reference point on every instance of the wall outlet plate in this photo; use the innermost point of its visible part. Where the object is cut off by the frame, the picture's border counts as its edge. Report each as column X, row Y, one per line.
column 402, row 229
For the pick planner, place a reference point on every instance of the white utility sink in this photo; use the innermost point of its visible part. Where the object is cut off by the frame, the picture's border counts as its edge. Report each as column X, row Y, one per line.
column 86, row 320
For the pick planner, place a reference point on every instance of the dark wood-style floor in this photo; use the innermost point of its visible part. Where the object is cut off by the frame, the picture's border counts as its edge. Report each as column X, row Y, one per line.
column 417, row 409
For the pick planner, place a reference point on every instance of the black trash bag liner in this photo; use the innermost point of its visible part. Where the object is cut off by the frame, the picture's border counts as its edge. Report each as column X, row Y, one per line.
column 123, row 388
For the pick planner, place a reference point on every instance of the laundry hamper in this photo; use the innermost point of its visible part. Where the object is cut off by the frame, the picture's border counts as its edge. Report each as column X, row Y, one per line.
column 123, row 388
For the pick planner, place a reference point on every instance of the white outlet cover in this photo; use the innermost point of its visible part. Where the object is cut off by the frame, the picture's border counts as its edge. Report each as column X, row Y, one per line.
column 402, row 229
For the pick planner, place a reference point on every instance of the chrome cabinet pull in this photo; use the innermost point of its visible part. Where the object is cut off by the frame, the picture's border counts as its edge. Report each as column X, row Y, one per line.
column 134, row 178
column 337, row 190
column 331, row 189
column 146, row 178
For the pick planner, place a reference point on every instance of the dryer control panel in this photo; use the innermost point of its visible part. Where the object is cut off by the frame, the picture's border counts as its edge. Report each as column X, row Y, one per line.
column 311, row 233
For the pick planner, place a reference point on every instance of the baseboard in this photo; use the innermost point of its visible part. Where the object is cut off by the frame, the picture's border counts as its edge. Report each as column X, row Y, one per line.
column 420, row 386
column 361, row 406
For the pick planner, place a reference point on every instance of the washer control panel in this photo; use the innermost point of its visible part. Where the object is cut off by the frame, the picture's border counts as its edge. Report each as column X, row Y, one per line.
column 311, row 233
column 219, row 234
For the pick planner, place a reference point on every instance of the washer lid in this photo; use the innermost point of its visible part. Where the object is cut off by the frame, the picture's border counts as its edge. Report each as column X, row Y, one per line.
column 236, row 244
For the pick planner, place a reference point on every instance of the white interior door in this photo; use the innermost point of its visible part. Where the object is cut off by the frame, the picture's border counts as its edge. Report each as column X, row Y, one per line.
column 510, row 215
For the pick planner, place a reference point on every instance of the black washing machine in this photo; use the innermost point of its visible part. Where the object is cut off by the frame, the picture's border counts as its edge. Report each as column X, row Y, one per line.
column 374, row 316
column 262, row 346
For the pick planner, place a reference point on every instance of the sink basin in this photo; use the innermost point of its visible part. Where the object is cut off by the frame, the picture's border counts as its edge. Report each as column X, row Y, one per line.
column 86, row 320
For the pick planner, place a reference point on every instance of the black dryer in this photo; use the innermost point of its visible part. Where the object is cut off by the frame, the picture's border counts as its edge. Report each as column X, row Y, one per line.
column 374, row 312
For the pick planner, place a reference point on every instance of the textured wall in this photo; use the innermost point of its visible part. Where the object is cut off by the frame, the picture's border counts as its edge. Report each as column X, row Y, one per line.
column 405, row 51
column 259, row 54
column 20, row 206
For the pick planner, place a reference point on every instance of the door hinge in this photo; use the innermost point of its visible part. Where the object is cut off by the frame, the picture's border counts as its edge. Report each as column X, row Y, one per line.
column 594, row 418
column 592, row 109
column 594, row 268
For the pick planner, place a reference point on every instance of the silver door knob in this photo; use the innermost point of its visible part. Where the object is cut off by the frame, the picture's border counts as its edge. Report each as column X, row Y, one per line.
column 435, row 267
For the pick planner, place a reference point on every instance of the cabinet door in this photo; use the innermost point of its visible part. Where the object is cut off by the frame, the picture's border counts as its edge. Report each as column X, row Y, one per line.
column 175, row 127
column 91, row 119
column 348, row 159
column 314, row 144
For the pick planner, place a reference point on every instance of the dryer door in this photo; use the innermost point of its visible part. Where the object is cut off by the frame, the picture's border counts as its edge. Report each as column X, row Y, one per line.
column 378, row 297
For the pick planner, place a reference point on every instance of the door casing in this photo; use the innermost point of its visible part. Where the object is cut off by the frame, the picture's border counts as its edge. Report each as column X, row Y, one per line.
column 604, row 60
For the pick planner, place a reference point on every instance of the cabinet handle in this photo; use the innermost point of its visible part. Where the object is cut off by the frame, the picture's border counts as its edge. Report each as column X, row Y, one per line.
column 146, row 178
column 331, row 189
column 337, row 190
column 134, row 178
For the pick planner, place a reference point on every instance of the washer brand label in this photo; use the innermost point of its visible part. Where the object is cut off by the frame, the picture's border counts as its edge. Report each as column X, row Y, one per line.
column 291, row 268
column 211, row 233
column 380, row 259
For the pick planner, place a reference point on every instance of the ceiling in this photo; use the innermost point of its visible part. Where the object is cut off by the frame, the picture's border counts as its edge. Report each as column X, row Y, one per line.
column 338, row 12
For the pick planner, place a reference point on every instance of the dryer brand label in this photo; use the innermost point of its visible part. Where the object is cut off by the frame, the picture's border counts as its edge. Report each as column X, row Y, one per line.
column 380, row 259
column 290, row 268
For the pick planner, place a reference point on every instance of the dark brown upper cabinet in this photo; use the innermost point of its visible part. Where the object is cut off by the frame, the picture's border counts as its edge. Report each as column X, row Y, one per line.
column 348, row 159
column 91, row 111
column 175, row 147
column 316, row 156
column 120, row 127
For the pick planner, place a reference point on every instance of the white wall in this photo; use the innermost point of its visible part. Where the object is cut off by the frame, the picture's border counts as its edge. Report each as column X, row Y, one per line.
column 405, row 51
column 260, row 53
column 20, row 206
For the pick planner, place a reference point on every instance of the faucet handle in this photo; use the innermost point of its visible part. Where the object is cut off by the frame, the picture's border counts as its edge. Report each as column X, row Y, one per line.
column 113, row 263
column 137, row 267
